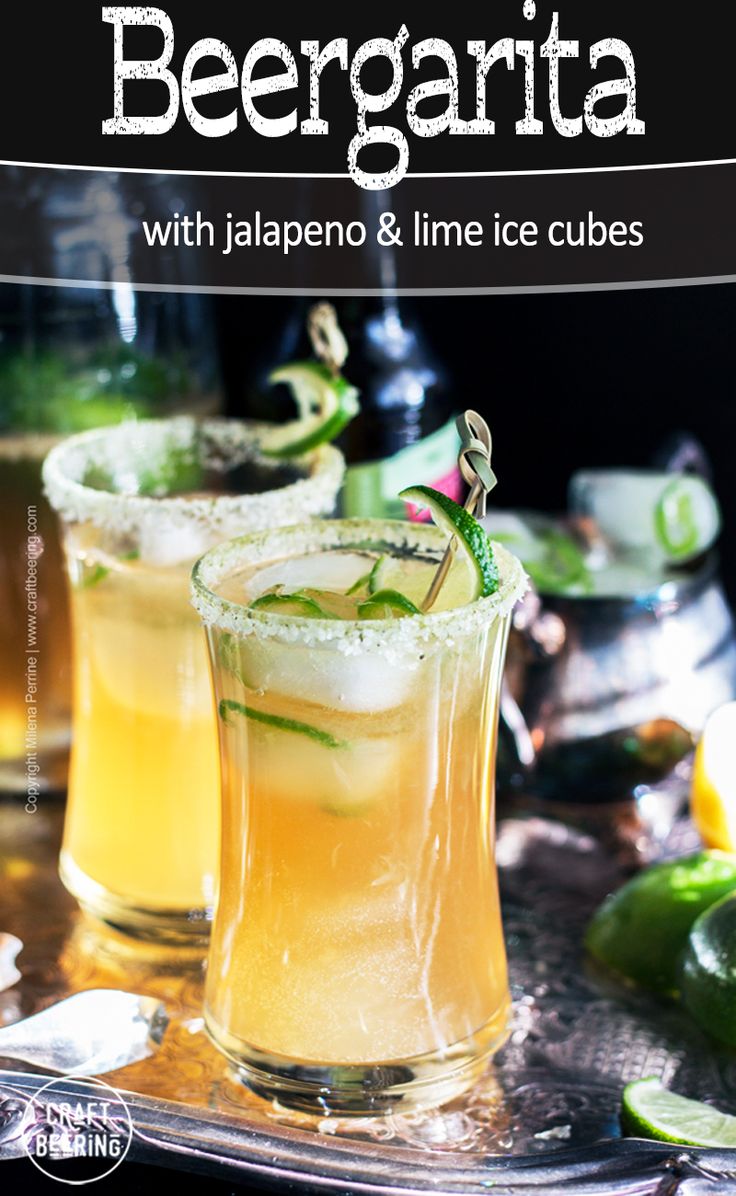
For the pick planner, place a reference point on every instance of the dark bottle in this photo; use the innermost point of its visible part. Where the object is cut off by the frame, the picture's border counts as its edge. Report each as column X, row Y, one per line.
column 405, row 431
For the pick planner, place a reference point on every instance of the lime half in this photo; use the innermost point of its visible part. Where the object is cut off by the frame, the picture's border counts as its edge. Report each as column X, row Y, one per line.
column 649, row 1111
column 326, row 403
column 708, row 977
column 475, row 549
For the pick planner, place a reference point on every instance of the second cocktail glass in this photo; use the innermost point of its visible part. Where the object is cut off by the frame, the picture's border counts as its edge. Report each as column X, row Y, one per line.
column 138, row 504
column 357, row 957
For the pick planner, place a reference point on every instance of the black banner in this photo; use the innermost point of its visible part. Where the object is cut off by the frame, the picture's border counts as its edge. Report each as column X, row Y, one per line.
column 537, row 144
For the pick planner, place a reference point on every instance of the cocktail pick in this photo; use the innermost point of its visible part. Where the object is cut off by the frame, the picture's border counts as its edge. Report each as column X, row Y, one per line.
column 474, row 461
column 328, row 342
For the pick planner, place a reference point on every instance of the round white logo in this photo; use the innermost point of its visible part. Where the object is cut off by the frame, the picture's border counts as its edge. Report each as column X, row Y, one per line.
column 76, row 1138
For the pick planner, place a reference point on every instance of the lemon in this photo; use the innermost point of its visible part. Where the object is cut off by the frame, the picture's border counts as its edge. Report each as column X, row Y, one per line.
column 713, row 793
column 386, row 604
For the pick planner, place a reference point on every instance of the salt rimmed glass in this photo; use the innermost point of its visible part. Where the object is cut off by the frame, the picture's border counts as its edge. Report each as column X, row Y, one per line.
column 138, row 504
column 357, row 961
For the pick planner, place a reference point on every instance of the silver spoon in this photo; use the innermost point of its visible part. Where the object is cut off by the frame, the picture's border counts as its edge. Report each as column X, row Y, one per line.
column 89, row 1033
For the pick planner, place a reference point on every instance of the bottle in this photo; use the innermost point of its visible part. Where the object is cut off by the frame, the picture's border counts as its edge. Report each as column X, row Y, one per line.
column 405, row 432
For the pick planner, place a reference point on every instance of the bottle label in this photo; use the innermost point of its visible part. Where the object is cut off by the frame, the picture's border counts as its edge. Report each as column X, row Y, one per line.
column 372, row 489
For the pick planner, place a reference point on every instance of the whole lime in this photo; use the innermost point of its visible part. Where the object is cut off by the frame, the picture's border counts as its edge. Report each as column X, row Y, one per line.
column 708, row 972
column 641, row 931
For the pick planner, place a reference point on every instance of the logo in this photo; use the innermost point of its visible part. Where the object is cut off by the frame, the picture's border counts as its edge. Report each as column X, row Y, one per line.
column 76, row 1137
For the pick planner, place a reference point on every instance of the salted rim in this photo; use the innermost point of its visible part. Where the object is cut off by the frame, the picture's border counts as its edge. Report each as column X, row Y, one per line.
column 351, row 637
column 235, row 441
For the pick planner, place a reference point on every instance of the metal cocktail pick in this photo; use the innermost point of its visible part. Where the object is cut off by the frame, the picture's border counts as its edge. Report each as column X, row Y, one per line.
column 474, row 461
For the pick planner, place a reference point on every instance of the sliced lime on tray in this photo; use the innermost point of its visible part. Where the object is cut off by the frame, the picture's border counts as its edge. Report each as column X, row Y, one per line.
column 326, row 402
column 650, row 1111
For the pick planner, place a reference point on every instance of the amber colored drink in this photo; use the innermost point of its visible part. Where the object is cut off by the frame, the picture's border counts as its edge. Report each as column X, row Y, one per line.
column 138, row 504
column 357, row 958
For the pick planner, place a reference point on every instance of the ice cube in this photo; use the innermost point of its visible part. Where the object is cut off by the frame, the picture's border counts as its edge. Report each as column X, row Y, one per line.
column 343, row 781
column 335, row 571
column 172, row 541
column 327, row 677
column 675, row 517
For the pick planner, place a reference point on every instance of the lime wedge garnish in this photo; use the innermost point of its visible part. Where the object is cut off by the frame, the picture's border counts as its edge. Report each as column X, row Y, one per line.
column 649, row 1111
column 326, row 402
column 641, row 931
column 292, row 604
column 475, row 547
column 708, row 975
column 229, row 706
column 386, row 604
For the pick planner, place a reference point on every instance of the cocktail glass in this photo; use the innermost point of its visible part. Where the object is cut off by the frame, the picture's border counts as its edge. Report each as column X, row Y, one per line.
column 138, row 504
column 71, row 360
column 357, row 958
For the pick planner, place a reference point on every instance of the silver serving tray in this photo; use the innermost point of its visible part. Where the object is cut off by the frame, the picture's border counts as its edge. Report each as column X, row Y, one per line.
column 544, row 1118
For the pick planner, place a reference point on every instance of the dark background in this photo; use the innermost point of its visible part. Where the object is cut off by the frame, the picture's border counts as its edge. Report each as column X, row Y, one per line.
column 565, row 380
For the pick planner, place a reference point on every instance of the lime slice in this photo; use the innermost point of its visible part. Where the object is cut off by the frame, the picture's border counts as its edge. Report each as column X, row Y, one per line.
column 326, row 403
column 474, row 544
column 641, row 931
column 412, row 578
column 562, row 568
column 362, row 584
column 229, row 706
column 292, row 604
column 708, row 976
column 378, row 578
column 686, row 518
column 91, row 576
column 386, row 604
column 649, row 1111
